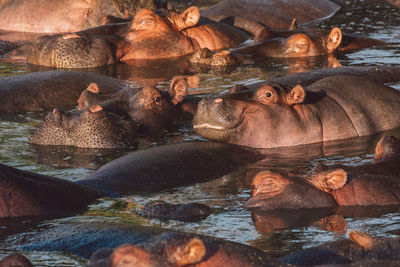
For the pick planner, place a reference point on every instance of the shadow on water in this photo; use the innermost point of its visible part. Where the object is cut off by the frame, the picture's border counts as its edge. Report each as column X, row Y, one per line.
column 275, row 233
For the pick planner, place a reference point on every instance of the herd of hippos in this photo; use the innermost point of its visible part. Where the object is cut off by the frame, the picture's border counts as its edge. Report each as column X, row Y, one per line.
column 299, row 109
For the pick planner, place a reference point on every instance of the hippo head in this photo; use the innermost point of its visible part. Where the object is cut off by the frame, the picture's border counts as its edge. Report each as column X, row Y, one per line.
column 90, row 128
column 272, row 191
column 159, row 34
column 272, row 116
column 311, row 44
column 296, row 45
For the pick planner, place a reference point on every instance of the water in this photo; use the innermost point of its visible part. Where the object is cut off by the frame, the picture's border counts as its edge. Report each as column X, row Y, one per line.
column 274, row 233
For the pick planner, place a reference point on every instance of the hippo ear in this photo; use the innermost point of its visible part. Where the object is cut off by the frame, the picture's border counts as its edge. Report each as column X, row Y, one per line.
column 95, row 108
column 293, row 25
column 362, row 239
column 388, row 146
column 189, row 17
column 296, row 95
column 329, row 180
column 237, row 88
column 93, row 88
column 334, row 39
column 192, row 253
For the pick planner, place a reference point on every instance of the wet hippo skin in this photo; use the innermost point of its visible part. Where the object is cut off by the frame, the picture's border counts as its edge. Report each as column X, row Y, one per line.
column 277, row 116
column 372, row 184
column 361, row 250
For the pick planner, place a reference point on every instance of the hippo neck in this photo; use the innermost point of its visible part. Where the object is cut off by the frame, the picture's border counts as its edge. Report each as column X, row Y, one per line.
column 211, row 35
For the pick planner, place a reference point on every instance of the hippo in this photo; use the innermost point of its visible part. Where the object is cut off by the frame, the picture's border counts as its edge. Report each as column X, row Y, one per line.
column 150, row 35
column 361, row 250
column 91, row 128
column 370, row 184
column 65, row 16
column 275, row 115
column 183, row 249
column 15, row 260
column 54, row 51
column 134, row 172
column 305, row 11
column 181, row 212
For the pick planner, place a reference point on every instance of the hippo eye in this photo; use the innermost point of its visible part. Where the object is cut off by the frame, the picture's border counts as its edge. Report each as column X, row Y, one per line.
column 157, row 99
column 268, row 94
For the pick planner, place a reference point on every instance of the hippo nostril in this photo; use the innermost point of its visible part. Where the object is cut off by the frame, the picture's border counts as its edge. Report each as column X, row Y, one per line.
column 218, row 100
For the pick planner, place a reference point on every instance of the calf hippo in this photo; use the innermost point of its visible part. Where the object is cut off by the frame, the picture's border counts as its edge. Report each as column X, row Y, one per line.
column 184, row 249
column 376, row 183
column 336, row 107
column 90, row 128
column 361, row 250
column 180, row 212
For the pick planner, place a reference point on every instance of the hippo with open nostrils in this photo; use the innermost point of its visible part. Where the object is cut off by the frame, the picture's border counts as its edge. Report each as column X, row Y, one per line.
column 371, row 184
column 336, row 107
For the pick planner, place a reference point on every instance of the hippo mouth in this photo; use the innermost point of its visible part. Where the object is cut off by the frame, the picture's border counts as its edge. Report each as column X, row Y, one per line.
column 217, row 132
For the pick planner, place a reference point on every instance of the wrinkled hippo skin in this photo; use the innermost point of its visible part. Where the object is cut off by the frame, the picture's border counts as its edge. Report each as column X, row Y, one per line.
column 180, row 212
column 359, row 250
column 332, row 108
column 91, row 128
column 29, row 194
column 370, row 184
column 49, row 89
column 16, row 260
column 183, row 249
column 266, row 12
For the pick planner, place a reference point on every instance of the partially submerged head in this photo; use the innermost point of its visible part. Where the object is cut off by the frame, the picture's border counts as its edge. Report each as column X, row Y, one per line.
column 91, row 128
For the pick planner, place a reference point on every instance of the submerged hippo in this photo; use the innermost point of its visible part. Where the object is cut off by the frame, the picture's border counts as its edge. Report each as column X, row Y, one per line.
column 183, row 249
column 116, row 120
column 376, row 183
column 90, row 128
column 361, row 250
column 150, row 35
column 336, row 107
column 6, row 46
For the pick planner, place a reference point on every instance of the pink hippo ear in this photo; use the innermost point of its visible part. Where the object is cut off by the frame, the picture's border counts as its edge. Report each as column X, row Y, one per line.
column 296, row 95
column 192, row 253
column 95, row 108
column 328, row 180
column 94, row 88
column 293, row 25
column 388, row 146
column 362, row 239
column 334, row 39
column 189, row 17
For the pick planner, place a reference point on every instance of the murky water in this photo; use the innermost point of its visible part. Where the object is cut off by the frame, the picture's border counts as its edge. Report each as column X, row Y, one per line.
column 275, row 233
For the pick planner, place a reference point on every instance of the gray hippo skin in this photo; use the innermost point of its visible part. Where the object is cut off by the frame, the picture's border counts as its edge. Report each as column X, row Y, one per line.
column 333, row 108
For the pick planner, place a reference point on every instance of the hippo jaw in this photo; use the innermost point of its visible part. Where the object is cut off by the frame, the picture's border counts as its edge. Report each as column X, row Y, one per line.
column 216, row 120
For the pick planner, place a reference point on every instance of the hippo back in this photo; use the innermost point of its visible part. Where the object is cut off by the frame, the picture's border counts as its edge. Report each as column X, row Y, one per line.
column 368, row 106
